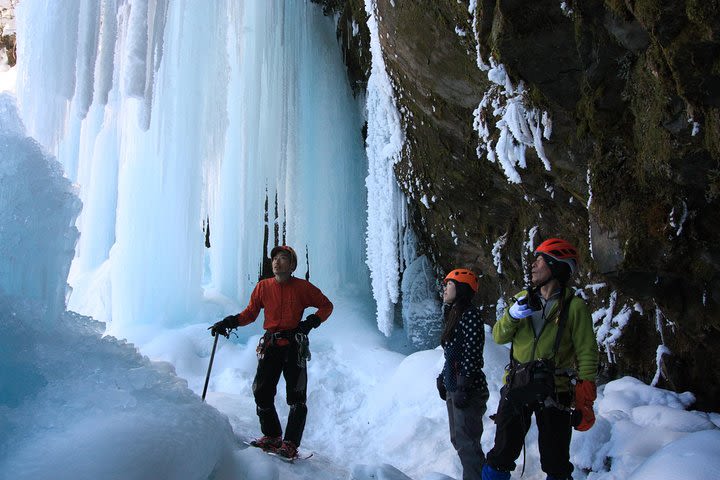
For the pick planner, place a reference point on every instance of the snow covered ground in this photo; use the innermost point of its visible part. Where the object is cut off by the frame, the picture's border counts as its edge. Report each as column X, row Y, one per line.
column 372, row 407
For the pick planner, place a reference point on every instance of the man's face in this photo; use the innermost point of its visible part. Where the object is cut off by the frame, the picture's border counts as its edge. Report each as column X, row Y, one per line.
column 540, row 271
column 281, row 263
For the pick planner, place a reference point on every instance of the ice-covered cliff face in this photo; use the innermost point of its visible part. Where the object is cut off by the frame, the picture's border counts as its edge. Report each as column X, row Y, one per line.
column 593, row 120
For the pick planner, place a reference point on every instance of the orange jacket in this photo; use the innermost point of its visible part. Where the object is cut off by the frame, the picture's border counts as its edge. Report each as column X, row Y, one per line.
column 284, row 303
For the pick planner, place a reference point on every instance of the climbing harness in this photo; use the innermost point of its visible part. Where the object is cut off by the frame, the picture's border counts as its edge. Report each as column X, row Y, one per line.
column 272, row 339
column 284, row 338
column 533, row 382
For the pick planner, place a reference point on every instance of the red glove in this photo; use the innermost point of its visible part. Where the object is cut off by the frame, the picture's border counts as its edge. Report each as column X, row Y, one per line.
column 585, row 395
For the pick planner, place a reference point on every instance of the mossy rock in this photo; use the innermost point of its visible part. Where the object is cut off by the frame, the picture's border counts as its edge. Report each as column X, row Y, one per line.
column 633, row 91
column 8, row 43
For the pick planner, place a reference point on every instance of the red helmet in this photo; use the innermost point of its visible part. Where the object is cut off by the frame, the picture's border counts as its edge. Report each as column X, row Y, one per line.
column 560, row 250
column 464, row 276
column 289, row 250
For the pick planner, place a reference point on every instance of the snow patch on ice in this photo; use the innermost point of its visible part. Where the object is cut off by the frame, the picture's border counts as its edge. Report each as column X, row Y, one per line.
column 677, row 220
column 519, row 127
column 497, row 254
column 589, row 203
column 500, row 307
column 610, row 325
column 528, row 251
column 695, row 126
column 472, row 10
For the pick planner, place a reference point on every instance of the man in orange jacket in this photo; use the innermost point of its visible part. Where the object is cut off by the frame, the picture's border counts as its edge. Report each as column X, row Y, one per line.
column 283, row 349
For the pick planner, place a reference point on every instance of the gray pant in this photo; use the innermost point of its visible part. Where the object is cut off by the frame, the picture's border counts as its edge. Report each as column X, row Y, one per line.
column 466, row 428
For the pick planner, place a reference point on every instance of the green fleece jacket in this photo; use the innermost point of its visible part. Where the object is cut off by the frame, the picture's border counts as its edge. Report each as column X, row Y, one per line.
column 578, row 347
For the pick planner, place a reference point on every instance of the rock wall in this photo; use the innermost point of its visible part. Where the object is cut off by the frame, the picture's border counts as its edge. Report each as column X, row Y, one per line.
column 8, row 49
column 633, row 92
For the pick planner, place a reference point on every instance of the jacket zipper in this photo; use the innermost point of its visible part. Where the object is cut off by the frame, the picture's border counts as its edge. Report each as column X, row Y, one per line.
column 537, row 336
column 282, row 303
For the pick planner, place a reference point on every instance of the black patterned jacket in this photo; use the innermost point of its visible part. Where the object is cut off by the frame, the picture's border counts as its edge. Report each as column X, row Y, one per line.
column 464, row 352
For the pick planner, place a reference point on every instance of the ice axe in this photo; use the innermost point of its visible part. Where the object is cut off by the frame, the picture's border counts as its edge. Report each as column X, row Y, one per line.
column 212, row 357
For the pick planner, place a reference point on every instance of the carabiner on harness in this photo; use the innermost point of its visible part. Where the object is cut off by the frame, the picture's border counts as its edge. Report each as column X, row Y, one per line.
column 261, row 347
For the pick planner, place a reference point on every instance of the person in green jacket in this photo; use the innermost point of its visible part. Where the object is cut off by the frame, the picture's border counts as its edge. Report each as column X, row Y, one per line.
column 531, row 325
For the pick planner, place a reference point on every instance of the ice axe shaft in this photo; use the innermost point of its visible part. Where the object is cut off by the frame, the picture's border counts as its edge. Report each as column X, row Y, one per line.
column 212, row 357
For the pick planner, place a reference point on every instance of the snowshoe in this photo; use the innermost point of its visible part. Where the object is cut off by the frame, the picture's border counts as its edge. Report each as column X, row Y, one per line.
column 268, row 444
column 287, row 450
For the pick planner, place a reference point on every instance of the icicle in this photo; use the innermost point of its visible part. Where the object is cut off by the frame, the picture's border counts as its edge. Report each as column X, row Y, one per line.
column 497, row 257
column 611, row 325
column 384, row 143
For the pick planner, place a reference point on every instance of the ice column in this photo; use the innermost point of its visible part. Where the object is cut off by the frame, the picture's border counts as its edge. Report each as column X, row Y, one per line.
column 385, row 200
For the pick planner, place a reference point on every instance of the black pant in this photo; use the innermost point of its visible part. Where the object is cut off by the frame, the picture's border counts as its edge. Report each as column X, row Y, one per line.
column 554, row 433
column 281, row 360
column 466, row 427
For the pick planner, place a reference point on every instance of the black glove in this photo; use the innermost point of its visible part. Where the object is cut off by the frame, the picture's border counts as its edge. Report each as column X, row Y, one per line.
column 461, row 398
column 575, row 418
column 224, row 326
column 442, row 391
column 533, row 299
column 312, row 321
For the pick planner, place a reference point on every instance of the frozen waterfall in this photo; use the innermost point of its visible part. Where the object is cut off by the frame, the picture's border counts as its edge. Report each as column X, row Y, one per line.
column 170, row 115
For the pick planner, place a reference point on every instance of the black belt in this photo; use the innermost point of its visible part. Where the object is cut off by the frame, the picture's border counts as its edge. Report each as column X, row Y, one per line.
column 286, row 334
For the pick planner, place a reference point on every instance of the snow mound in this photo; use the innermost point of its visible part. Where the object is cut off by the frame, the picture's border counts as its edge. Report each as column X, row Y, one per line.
column 640, row 429
column 75, row 404
column 695, row 456
column 628, row 392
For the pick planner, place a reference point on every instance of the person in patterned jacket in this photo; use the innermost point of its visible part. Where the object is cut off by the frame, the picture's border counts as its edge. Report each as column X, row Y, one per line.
column 462, row 382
